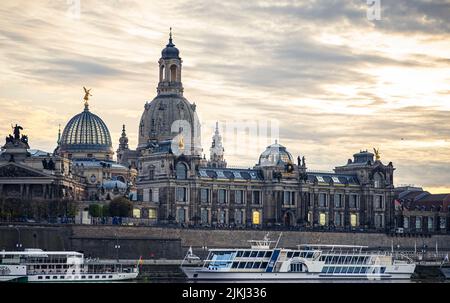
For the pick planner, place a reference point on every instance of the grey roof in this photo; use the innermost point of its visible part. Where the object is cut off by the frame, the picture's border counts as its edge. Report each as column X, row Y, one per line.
column 336, row 178
column 230, row 174
column 39, row 153
column 97, row 163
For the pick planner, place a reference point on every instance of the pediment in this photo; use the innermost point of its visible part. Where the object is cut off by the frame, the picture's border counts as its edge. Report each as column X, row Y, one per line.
column 13, row 170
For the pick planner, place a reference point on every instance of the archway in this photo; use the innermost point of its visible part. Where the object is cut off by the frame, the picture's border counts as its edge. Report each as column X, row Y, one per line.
column 288, row 219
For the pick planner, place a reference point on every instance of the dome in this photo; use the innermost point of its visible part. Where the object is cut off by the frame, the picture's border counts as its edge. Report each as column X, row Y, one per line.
column 159, row 116
column 274, row 155
column 112, row 184
column 85, row 132
column 170, row 52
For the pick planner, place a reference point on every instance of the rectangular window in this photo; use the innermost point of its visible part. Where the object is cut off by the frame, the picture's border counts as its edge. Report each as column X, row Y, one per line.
column 222, row 196
column 353, row 220
column 322, row 219
column 221, row 216
column 287, row 198
column 181, row 215
column 418, row 223
column 337, row 219
column 353, row 201
column 152, row 213
column 204, row 195
column 238, row 216
column 442, row 223
column 256, row 217
column 181, row 194
column 256, row 197
column 337, row 200
column 204, row 216
column 378, row 202
column 322, row 200
column 430, row 223
column 405, row 222
column 239, row 196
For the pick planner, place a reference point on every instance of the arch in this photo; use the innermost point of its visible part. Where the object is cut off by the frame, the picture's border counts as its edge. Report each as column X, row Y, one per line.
column 288, row 218
column 181, row 171
column 162, row 73
column 378, row 180
column 173, row 73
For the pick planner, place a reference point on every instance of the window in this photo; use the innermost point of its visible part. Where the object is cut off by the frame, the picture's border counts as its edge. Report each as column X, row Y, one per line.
column 181, row 215
column 238, row 197
column 309, row 216
column 378, row 202
column 442, row 223
column 430, row 223
column 256, row 197
column 181, row 171
column 238, row 216
column 204, row 195
column 337, row 219
column 323, row 219
column 379, row 220
column 256, row 217
column 289, row 198
column 338, row 200
column 354, row 201
column 152, row 213
column 222, row 196
column 181, row 194
column 378, row 180
column 322, row 200
column 136, row 213
column 173, row 73
column 221, row 216
column 405, row 222
column 204, row 216
column 418, row 223
column 353, row 220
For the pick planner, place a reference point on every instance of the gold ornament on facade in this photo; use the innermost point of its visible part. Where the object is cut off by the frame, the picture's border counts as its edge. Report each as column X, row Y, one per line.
column 181, row 143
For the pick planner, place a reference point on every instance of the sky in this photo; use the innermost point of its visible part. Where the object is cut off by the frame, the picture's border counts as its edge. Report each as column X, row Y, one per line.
column 331, row 77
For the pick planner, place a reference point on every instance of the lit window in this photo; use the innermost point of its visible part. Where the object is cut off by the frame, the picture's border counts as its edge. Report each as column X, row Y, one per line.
column 152, row 213
column 136, row 213
column 353, row 220
column 256, row 217
column 322, row 219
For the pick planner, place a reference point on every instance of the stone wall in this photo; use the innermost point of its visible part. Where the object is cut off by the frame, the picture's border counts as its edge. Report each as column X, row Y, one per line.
column 171, row 243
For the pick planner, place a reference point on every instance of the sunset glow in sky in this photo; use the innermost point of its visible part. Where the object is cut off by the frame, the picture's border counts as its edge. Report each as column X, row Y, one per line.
column 336, row 82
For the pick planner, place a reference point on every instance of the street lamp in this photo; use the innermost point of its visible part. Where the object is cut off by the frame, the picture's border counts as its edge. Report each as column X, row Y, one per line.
column 18, row 244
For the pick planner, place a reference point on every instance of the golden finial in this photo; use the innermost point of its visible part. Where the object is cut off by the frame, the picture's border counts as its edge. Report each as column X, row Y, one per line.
column 87, row 94
column 377, row 154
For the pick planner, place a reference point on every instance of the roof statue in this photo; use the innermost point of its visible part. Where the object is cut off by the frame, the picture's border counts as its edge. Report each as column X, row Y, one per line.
column 377, row 154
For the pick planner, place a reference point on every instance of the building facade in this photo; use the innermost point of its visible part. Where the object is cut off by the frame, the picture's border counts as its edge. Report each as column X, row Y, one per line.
column 180, row 186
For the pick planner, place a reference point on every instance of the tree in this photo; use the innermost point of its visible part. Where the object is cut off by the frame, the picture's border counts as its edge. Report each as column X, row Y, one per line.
column 120, row 207
column 95, row 210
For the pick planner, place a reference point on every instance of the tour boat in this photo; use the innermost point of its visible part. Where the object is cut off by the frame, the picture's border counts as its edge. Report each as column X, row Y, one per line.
column 307, row 262
column 36, row 265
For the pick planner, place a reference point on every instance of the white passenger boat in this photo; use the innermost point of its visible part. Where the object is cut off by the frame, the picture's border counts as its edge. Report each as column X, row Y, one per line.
column 308, row 261
column 36, row 265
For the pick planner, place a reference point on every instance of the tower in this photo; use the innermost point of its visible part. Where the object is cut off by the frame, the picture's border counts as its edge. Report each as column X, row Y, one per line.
column 123, row 145
column 216, row 151
column 170, row 70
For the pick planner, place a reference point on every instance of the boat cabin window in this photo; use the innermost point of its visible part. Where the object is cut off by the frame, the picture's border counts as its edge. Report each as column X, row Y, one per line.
column 254, row 254
column 257, row 265
column 242, row 264
column 235, row 265
column 249, row 265
column 260, row 254
column 264, row 264
column 268, row 254
column 289, row 254
column 246, row 254
column 239, row 254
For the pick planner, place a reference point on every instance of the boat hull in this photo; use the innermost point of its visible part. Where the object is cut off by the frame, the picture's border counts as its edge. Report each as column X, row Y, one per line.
column 205, row 275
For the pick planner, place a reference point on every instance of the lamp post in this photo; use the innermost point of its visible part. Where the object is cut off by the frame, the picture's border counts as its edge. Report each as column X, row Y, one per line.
column 117, row 247
column 18, row 244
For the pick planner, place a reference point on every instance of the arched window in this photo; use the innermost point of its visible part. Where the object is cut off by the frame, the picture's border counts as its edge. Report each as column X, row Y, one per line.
column 181, row 171
column 162, row 73
column 378, row 180
column 173, row 73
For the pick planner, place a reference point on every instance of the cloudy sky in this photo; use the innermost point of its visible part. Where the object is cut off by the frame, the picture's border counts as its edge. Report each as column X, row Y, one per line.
column 334, row 81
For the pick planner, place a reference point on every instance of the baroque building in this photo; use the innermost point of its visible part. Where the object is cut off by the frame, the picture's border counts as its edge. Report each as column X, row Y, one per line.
column 179, row 186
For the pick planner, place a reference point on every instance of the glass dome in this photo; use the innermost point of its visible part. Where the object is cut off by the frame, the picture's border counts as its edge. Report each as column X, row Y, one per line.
column 274, row 155
column 86, row 132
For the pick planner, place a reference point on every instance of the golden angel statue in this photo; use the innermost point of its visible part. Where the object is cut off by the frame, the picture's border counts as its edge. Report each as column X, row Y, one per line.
column 377, row 154
column 87, row 93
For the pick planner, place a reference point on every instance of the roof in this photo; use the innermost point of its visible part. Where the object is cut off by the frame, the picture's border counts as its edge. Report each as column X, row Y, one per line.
column 230, row 174
column 97, row 163
column 426, row 201
column 327, row 178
